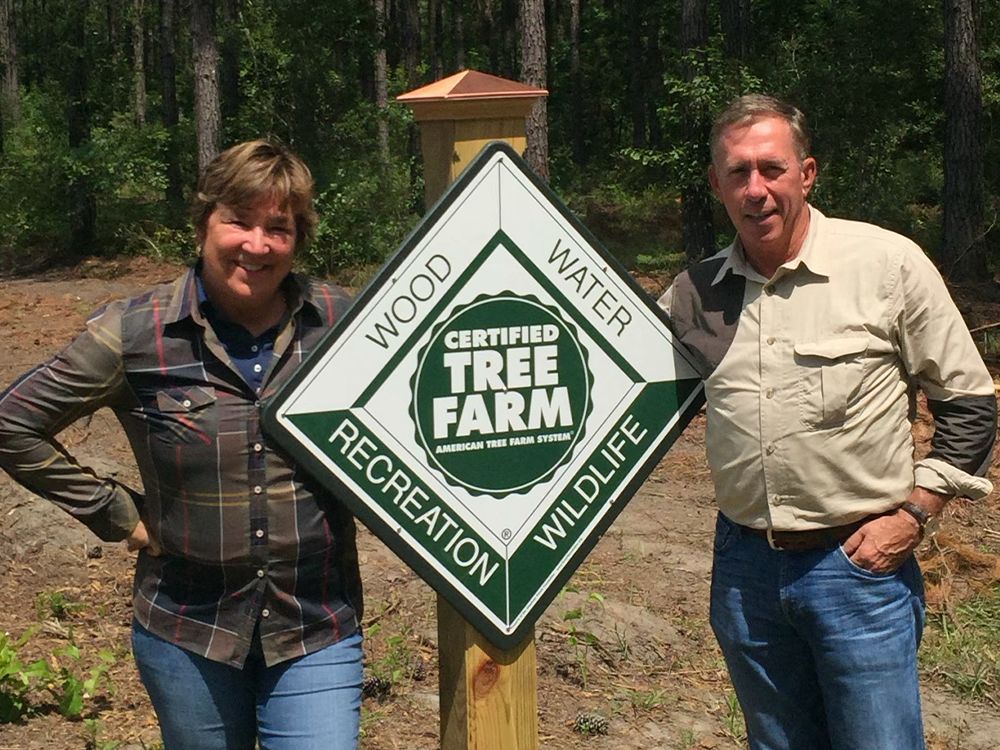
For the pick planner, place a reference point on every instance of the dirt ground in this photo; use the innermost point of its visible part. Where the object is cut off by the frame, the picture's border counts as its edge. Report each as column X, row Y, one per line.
column 628, row 640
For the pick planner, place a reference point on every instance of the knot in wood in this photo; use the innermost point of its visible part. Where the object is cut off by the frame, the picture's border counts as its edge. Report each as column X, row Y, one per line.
column 486, row 677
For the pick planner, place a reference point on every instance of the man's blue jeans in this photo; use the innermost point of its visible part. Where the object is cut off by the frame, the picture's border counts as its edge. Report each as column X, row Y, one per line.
column 312, row 702
column 823, row 654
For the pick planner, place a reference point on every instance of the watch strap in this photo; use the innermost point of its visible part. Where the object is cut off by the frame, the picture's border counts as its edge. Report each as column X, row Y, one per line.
column 918, row 513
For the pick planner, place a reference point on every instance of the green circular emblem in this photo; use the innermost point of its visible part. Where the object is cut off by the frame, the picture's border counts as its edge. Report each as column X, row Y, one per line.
column 500, row 394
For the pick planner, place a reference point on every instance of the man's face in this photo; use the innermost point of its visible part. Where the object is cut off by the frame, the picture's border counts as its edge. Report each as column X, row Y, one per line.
column 757, row 175
column 246, row 254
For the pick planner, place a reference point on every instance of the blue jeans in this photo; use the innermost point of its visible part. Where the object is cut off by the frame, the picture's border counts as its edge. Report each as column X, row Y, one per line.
column 312, row 702
column 823, row 654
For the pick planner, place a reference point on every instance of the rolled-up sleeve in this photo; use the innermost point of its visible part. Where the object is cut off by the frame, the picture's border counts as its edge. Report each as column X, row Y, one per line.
column 83, row 377
column 941, row 358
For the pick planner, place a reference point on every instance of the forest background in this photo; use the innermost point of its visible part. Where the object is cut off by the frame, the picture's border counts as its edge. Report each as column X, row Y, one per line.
column 109, row 106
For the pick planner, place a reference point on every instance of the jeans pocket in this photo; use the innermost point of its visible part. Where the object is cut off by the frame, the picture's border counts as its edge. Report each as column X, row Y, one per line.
column 726, row 534
column 855, row 568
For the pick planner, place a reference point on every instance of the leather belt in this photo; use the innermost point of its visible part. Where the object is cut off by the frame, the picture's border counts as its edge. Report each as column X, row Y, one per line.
column 800, row 541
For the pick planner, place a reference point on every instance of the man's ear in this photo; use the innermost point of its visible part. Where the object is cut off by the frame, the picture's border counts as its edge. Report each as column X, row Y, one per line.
column 809, row 172
column 713, row 180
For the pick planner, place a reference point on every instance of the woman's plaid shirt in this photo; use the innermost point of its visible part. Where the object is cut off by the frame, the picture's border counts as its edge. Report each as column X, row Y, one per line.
column 247, row 537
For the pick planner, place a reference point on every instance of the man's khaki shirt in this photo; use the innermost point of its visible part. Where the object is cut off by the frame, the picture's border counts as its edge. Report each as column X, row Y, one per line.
column 810, row 376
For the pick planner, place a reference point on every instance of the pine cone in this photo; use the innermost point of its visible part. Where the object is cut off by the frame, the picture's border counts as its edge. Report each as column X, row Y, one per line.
column 378, row 688
column 590, row 723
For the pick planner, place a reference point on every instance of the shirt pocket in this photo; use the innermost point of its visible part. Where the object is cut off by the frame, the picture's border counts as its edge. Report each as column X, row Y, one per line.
column 830, row 373
column 185, row 415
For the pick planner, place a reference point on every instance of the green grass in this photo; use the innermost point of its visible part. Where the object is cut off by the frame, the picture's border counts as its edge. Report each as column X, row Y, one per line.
column 962, row 649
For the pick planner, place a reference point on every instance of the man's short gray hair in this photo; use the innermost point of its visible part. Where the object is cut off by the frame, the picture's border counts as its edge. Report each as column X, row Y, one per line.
column 751, row 107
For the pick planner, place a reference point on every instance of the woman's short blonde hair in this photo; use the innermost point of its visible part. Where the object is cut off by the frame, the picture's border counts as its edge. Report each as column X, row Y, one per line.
column 246, row 174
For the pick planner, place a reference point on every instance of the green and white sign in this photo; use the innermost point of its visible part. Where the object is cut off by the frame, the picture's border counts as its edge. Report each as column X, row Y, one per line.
column 493, row 398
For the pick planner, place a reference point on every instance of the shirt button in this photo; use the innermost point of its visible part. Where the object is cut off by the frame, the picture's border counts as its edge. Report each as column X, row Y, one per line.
column 259, row 533
column 254, row 348
column 257, row 368
column 769, row 290
column 769, row 393
column 770, row 340
column 186, row 403
column 265, row 613
column 777, row 499
column 257, row 403
column 257, row 447
column 770, row 448
column 260, row 573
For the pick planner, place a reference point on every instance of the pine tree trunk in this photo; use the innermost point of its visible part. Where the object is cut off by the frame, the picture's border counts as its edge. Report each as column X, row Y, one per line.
column 736, row 28
column 205, row 54
column 577, row 91
column 138, row 63
column 10, row 99
column 435, row 38
column 381, row 83
column 82, row 206
column 168, row 105
column 531, row 18
column 409, row 34
column 963, row 254
column 635, row 86
column 698, row 232
column 458, row 33
column 229, row 69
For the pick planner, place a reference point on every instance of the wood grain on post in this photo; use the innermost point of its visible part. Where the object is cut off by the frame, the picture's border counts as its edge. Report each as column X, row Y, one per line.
column 489, row 696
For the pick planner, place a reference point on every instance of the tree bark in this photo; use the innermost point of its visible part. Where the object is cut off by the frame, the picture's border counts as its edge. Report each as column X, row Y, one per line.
column 409, row 35
column 698, row 231
column 577, row 91
column 534, row 58
column 138, row 63
column 963, row 254
column 736, row 28
column 435, row 38
column 82, row 206
column 635, row 86
column 168, row 105
column 229, row 69
column 458, row 32
column 10, row 99
column 205, row 54
column 381, row 84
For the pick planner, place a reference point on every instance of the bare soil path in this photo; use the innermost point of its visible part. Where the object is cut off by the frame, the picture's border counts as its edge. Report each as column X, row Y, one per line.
column 628, row 639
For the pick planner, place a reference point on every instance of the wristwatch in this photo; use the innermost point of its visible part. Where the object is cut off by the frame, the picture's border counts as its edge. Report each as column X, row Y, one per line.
column 925, row 520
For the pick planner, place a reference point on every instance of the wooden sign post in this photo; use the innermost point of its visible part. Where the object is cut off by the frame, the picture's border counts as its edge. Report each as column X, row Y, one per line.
column 489, row 403
column 489, row 696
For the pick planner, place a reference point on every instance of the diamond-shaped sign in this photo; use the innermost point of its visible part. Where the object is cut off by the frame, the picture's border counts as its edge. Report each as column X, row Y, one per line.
column 493, row 398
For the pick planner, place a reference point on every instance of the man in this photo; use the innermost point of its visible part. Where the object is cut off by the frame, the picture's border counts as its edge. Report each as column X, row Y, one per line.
column 812, row 333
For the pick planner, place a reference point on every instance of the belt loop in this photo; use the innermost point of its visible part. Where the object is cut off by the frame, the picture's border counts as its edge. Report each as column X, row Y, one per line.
column 770, row 538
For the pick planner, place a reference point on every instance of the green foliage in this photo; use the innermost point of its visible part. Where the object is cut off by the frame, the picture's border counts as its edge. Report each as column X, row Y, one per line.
column 63, row 677
column 93, row 740
column 69, row 685
column 55, row 605
column 960, row 647
column 364, row 215
column 16, row 678
column 580, row 640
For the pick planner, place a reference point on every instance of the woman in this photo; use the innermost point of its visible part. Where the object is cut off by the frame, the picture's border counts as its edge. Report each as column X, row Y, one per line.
column 247, row 598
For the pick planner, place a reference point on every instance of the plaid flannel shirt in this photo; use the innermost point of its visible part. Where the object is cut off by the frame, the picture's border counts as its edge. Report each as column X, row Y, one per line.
column 247, row 537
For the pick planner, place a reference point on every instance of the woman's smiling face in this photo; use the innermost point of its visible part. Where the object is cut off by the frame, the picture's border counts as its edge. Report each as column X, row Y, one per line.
column 246, row 254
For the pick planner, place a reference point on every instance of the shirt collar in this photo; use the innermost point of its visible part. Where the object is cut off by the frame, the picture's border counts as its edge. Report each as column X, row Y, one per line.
column 810, row 256
column 189, row 294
